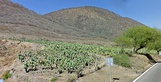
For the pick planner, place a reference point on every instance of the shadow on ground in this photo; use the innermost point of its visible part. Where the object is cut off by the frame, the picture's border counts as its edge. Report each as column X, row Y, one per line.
column 149, row 57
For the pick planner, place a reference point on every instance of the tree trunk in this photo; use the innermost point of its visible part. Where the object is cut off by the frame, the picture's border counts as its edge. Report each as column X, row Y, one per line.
column 136, row 51
column 158, row 52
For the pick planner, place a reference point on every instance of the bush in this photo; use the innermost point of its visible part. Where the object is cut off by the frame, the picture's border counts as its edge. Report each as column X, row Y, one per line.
column 6, row 76
column 122, row 60
column 53, row 79
column 71, row 79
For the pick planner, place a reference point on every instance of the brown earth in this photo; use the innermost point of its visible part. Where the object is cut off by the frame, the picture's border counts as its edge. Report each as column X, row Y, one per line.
column 10, row 63
column 140, row 64
column 9, row 50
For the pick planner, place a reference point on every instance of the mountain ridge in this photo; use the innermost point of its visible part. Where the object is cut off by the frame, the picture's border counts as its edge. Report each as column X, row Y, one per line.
column 92, row 21
column 23, row 21
column 81, row 22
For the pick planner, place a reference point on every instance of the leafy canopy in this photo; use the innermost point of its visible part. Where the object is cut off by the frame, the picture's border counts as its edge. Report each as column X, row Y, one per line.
column 156, row 44
column 139, row 37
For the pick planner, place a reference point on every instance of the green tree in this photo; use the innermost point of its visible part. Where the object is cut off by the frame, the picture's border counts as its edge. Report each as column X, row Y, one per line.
column 156, row 44
column 123, row 42
column 137, row 37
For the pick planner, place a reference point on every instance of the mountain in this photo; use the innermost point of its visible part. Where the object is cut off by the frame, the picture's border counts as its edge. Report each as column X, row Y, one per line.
column 91, row 22
column 15, row 20
column 73, row 23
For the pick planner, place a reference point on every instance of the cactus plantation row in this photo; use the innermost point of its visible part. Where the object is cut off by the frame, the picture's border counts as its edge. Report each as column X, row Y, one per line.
column 63, row 56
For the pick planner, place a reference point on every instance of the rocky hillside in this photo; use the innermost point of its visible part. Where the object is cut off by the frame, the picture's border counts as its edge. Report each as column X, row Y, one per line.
column 87, row 22
column 15, row 19
column 91, row 22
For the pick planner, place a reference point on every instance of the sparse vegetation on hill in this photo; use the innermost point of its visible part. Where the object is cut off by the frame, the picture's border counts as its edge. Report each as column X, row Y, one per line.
column 17, row 20
column 12, row 13
column 91, row 22
column 86, row 22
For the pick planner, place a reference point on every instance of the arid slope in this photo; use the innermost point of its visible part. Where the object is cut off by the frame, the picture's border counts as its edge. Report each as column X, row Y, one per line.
column 91, row 22
column 15, row 20
column 87, row 22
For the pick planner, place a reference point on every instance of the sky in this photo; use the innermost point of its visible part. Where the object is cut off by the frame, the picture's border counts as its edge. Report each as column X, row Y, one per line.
column 147, row 12
column 1, row 80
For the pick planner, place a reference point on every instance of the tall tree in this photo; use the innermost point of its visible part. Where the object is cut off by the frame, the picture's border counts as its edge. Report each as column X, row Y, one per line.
column 123, row 42
column 156, row 44
column 137, row 37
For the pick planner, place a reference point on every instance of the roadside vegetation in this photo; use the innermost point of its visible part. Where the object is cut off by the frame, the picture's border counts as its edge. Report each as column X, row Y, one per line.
column 140, row 37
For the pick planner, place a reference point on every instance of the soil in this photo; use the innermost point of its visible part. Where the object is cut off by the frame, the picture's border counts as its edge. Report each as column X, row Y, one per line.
column 10, row 63
column 140, row 64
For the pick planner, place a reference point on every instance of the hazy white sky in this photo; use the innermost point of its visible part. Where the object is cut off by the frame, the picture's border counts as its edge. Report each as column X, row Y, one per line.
column 145, row 11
